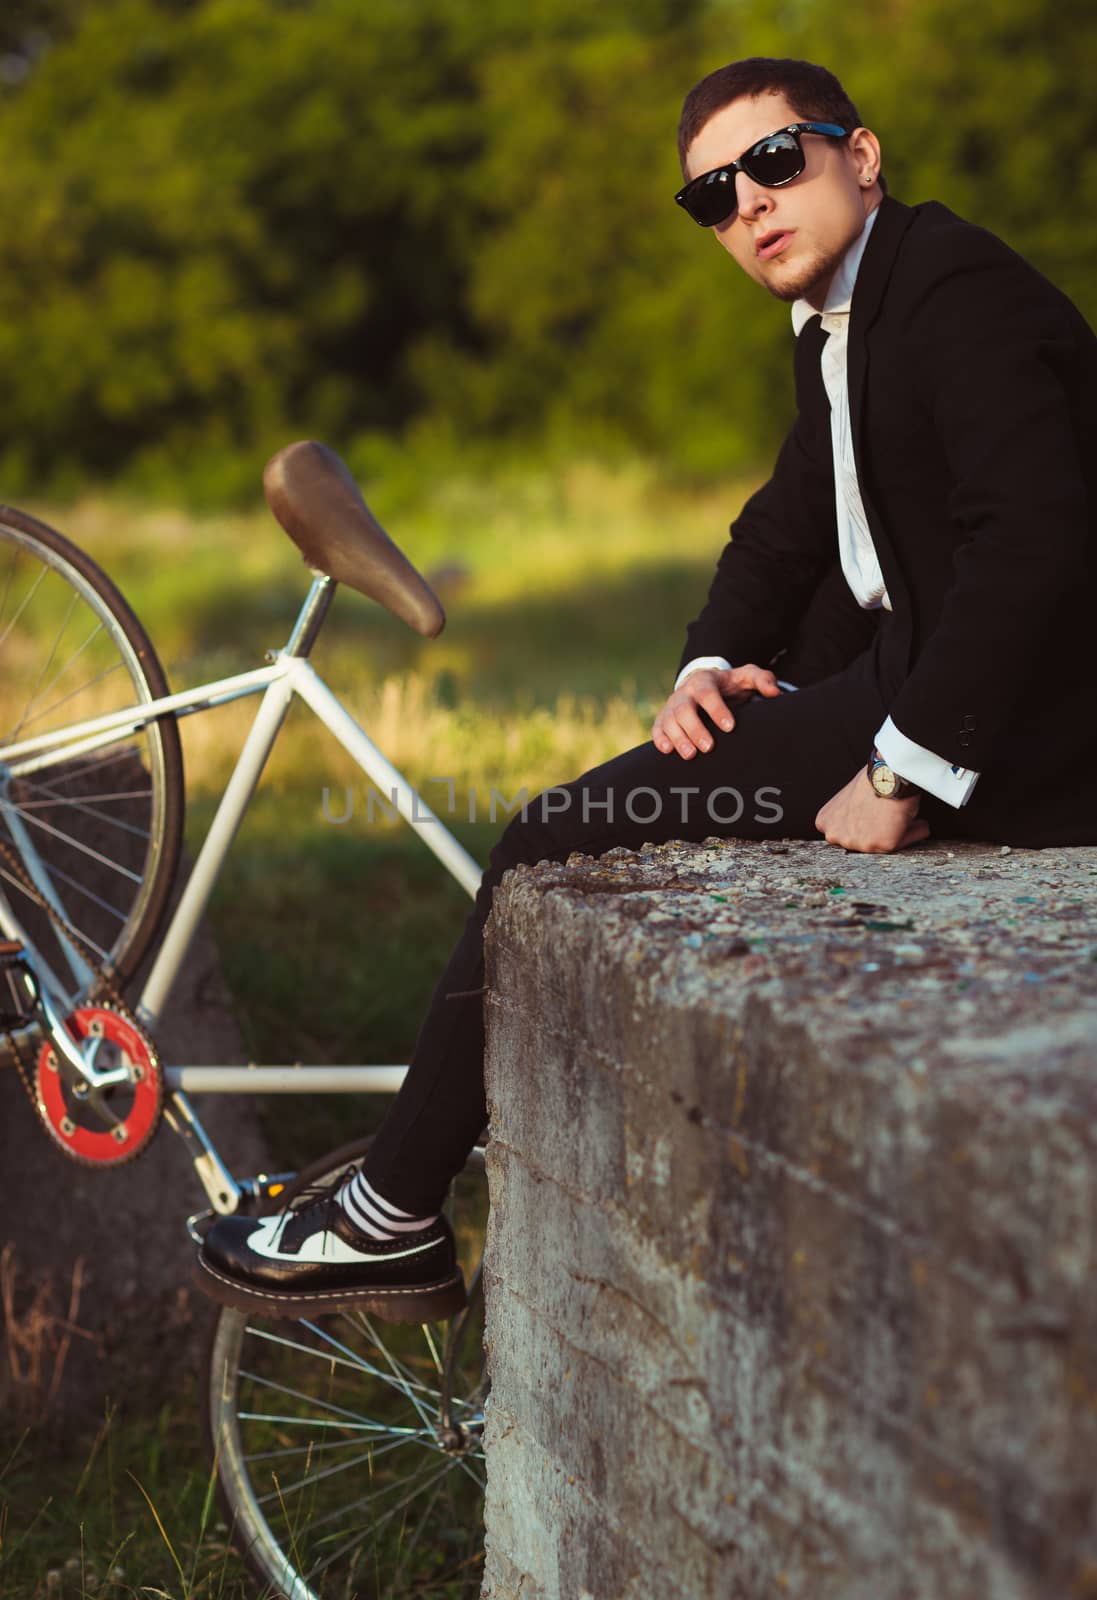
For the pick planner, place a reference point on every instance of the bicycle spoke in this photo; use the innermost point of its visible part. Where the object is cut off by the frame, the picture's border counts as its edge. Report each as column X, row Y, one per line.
column 75, row 769
column 27, row 598
column 79, row 888
column 473, row 1401
column 311, row 1447
column 356, row 1540
column 332, row 1471
column 363, row 1324
column 407, row 1550
column 314, row 1400
column 92, row 944
column 7, row 582
column 307, row 1349
column 59, row 877
column 86, row 805
column 85, row 849
column 359, row 1364
column 402, row 1385
column 433, row 1348
column 80, row 688
column 363, row 1364
column 348, row 1358
column 399, row 1378
column 37, row 691
column 465, row 1463
column 418, row 1487
column 399, row 1369
column 323, row 1422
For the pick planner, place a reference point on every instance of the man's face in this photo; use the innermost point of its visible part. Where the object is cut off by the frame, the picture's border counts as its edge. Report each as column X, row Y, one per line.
column 790, row 239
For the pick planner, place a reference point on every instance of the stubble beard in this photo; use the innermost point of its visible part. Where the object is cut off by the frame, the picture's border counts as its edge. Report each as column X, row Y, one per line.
column 810, row 275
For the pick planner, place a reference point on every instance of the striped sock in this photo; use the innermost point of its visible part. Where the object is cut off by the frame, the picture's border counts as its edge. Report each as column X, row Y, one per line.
column 375, row 1216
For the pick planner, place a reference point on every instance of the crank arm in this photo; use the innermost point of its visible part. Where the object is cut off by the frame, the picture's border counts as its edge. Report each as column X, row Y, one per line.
column 75, row 1063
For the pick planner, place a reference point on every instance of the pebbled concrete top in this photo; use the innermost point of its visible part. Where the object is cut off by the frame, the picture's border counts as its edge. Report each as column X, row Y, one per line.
column 982, row 954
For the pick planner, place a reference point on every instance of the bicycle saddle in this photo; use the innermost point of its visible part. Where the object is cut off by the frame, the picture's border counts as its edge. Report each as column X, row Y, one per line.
column 316, row 500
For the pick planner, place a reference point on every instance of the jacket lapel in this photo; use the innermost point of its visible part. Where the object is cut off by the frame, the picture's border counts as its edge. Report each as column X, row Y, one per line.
column 868, row 294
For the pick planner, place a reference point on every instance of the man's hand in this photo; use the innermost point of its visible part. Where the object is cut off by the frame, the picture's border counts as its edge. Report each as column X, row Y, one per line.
column 858, row 818
column 678, row 725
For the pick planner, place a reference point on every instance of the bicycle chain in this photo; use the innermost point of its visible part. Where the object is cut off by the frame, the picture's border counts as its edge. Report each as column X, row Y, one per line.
column 104, row 984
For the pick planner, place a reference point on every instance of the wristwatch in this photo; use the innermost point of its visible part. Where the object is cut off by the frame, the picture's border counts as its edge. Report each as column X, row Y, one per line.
column 886, row 783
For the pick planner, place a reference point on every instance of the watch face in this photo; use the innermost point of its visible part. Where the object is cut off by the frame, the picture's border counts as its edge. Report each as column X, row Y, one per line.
column 884, row 781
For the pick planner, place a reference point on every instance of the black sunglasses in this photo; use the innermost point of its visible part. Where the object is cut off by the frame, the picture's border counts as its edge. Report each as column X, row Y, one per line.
column 773, row 161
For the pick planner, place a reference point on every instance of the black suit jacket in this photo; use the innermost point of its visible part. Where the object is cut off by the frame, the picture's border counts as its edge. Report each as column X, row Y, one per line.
column 973, row 400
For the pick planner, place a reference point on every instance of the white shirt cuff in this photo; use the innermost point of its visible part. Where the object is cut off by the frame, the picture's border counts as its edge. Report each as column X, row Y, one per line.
column 918, row 765
column 718, row 663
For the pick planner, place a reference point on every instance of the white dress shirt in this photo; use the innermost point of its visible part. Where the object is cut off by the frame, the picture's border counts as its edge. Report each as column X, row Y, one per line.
column 860, row 563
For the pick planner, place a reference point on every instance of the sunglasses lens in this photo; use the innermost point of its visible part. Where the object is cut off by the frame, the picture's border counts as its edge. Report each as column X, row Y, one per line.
column 713, row 199
column 775, row 160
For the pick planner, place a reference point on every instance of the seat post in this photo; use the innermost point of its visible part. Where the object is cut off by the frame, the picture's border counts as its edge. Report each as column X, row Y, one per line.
column 310, row 618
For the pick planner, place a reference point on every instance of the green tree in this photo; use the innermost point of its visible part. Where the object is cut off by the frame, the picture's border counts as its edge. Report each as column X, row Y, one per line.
column 228, row 221
column 225, row 218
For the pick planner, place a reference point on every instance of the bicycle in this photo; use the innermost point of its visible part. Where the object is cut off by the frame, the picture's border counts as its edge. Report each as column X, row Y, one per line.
column 346, row 1453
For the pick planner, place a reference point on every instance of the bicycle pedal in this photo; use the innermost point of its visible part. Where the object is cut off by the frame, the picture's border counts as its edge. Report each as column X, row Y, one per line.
column 265, row 1193
column 18, row 992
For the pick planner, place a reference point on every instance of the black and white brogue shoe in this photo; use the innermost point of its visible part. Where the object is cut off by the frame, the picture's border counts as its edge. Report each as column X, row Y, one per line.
column 304, row 1262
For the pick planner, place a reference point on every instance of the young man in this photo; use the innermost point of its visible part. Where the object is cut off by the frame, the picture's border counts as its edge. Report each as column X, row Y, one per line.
column 944, row 447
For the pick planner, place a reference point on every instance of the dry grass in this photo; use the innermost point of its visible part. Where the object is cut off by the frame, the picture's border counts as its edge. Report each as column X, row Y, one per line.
column 37, row 1337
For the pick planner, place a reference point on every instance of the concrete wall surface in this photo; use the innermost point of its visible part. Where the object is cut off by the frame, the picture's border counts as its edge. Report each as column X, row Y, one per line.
column 792, row 1266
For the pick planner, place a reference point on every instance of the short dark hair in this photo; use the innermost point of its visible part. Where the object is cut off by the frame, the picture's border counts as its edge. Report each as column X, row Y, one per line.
column 813, row 93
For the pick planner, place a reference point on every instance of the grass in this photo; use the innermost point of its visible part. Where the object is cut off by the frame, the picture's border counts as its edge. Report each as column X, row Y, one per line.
column 568, row 596
column 125, row 1511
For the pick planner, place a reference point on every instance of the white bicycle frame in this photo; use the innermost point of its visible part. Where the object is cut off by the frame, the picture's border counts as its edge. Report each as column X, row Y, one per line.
column 288, row 673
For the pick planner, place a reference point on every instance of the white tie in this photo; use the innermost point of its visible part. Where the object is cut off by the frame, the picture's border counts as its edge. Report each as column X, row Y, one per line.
column 860, row 562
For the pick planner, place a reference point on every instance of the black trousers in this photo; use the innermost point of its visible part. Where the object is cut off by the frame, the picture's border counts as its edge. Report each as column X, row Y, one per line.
column 765, row 780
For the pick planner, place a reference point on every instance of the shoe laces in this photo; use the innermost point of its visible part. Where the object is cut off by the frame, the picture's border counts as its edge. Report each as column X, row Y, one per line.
column 310, row 1211
column 312, row 1194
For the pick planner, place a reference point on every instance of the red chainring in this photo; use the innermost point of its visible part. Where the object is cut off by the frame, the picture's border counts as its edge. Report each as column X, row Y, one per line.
column 134, row 1105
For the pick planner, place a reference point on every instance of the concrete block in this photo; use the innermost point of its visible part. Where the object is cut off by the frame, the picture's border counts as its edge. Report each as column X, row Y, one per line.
column 791, row 1261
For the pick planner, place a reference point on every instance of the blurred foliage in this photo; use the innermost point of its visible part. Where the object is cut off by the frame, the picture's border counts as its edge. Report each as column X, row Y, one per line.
column 228, row 222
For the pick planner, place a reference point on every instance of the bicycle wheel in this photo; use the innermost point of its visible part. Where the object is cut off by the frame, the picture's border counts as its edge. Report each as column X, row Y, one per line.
column 96, row 830
column 349, row 1452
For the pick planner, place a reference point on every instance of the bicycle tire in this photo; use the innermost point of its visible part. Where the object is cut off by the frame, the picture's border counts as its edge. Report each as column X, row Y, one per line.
column 372, row 1503
column 99, row 833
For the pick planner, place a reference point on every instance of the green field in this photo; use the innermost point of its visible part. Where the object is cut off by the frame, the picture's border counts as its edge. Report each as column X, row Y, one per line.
column 567, row 599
